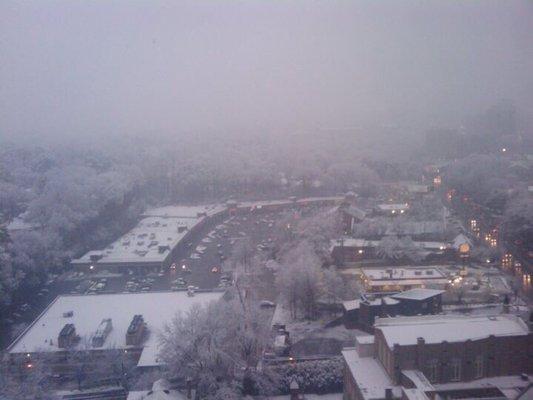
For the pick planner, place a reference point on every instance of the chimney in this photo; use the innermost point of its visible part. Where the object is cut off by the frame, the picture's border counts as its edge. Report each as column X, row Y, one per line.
column 388, row 394
column 189, row 387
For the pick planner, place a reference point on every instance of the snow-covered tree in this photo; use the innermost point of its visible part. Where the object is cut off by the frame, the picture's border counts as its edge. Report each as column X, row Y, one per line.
column 214, row 345
column 394, row 248
column 299, row 280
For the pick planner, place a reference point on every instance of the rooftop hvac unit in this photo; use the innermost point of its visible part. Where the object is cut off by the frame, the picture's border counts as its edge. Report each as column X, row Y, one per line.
column 163, row 248
column 135, row 332
column 68, row 314
column 102, row 332
column 96, row 257
column 67, row 336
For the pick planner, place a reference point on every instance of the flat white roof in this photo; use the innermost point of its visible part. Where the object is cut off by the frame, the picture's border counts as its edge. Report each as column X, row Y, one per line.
column 501, row 382
column 88, row 311
column 356, row 304
column 403, row 273
column 286, row 202
column 451, row 328
column 351, row 304
column 418, row 294
column 18, row 224
column 415, row 228
column 141, row 244
column 358, row 242
column 354, row 242
column 390, row 207
column 180, row 211
column 371, row 377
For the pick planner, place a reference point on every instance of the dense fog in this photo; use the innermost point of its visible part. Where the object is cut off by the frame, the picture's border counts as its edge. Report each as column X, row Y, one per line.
column 222, row 200
column 72, row 69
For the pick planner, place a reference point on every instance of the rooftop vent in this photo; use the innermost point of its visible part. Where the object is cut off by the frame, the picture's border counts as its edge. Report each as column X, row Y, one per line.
column 102, row 332
column 96, row 257
column 67, row 336
column 135, row 333
column 163, row 248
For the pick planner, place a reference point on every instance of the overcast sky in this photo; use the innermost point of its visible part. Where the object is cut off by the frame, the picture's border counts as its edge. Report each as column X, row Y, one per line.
column 89, row 67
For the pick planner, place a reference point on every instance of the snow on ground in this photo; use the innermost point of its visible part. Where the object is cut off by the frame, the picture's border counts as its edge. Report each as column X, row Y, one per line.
column 304, row 329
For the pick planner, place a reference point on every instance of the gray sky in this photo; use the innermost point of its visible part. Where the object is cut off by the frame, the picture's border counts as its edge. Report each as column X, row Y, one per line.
column 90, row 67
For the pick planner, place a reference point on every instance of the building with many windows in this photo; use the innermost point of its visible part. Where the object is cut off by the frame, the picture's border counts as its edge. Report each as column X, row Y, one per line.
column 417, row 357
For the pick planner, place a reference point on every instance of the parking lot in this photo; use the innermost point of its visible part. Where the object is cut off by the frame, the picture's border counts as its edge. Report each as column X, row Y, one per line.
column 204, row 266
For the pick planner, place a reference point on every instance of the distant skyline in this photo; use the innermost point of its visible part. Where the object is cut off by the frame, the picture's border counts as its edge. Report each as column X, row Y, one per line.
column 98, row 67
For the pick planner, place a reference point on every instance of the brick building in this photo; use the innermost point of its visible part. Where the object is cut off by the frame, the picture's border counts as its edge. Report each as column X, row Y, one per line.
column 429, row 354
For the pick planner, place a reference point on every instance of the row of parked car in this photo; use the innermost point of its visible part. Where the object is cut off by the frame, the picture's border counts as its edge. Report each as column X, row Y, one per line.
column 139, row 285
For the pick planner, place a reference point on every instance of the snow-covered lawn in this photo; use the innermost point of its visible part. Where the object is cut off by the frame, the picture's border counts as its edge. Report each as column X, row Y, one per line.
column 304, row 329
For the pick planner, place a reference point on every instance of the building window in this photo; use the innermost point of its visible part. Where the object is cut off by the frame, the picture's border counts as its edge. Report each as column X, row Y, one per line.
column 432, row 370
column 455, row 369
column 478, row 367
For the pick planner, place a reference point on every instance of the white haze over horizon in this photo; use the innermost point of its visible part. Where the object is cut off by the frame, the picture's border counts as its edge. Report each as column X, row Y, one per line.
column 91, row 68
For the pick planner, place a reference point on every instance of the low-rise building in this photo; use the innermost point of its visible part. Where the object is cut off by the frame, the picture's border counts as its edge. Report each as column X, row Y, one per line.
column 424, row 357
column 399, row 279
column 350, row 215
column 391, row 210
column 361, row 313
column 92, row 326
column 352, row 250
column 159, row 237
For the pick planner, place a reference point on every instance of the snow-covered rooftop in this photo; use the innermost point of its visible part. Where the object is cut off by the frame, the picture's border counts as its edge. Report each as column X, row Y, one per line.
column 18, row 224
column 286, row 202
column 459, row 240
column 356, row 304
column 178, row 211
column 353, row 242
column 416, row 228
column 354, row 211
column 418, row 378
column 143, row 243
column 417, row 188
column 403, row 273
column 88, row 312
column 451, row 328
column 511, row 386
column 361, row 243
column 371, row 377
column 161, row 390
column 351, row 304
column 391, row 207
column 418, row 294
